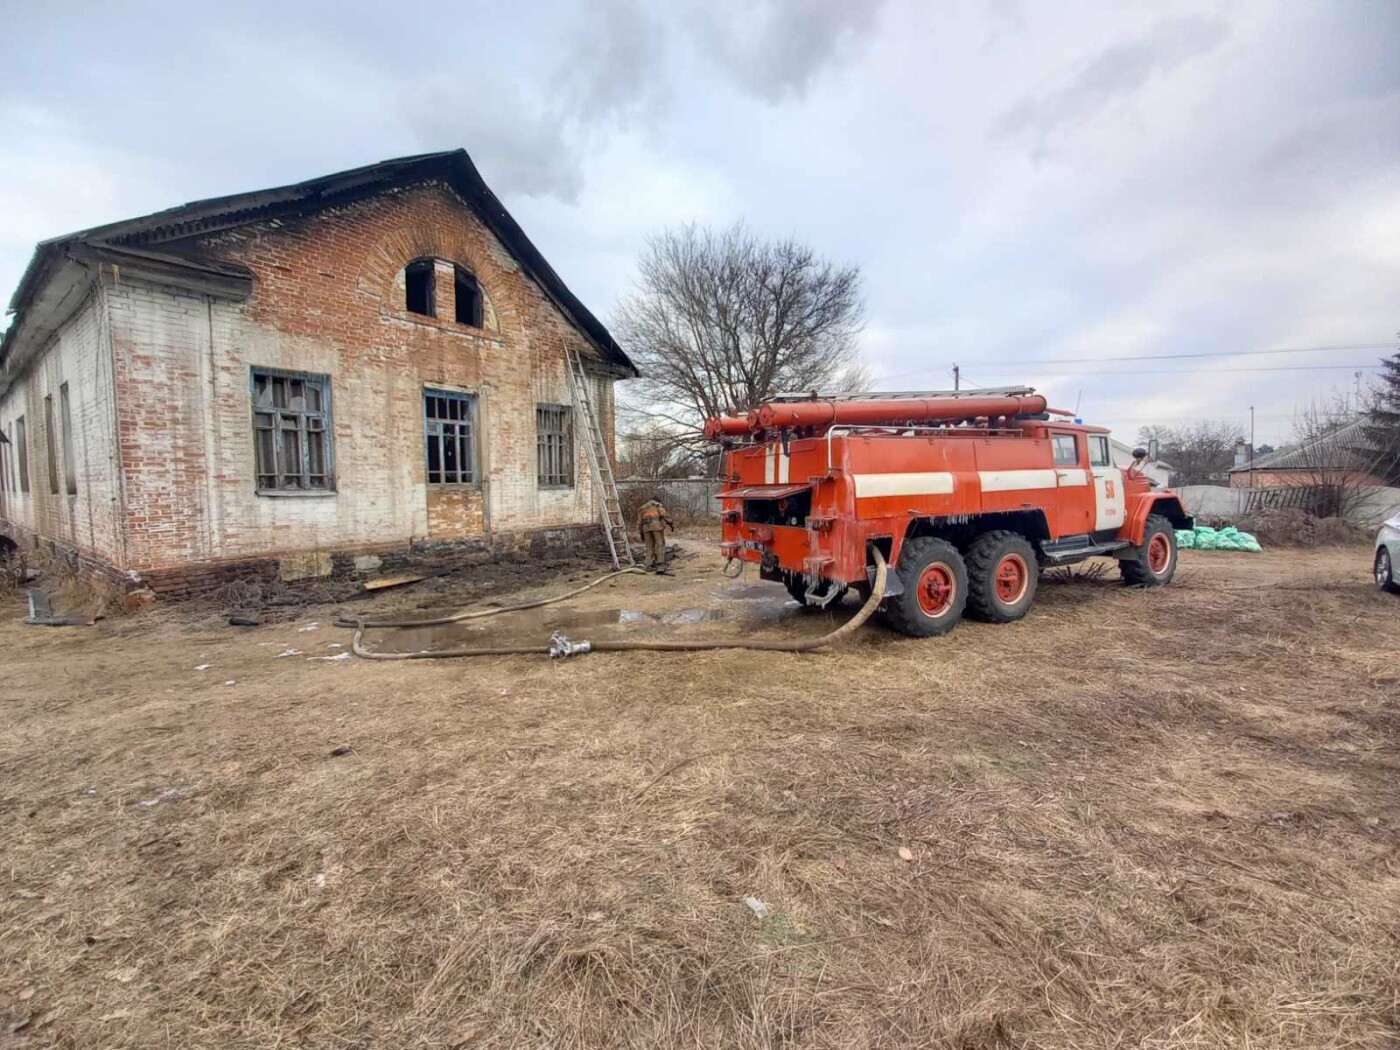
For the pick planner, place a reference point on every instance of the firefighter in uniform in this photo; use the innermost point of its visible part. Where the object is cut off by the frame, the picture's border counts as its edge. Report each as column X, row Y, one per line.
column 652, row 520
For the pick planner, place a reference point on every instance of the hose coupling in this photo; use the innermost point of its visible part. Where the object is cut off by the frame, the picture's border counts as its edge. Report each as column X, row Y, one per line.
column 561, row 648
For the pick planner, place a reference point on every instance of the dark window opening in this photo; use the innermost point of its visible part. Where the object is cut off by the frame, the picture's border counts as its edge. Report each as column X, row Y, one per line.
column 468, row 294
column 292, row 432
column 50, row 444
column 447, row 431
column 554, row 445
column 419, row 287
column 70, row 470
column 22, row 454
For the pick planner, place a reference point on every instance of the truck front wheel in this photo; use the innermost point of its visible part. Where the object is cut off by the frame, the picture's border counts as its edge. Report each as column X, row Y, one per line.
column 934, row 579
column 1152, row 563
column 1002, row 573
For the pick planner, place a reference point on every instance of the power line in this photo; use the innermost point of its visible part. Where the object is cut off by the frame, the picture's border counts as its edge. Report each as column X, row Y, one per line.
column 1174, row 357
column 1030, row 367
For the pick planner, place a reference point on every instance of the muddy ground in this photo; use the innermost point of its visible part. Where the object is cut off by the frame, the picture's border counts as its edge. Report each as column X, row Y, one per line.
column 1160, row 818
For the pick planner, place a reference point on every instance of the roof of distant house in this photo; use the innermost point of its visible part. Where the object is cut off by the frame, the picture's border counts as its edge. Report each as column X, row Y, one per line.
column 1343, row 448
column 150, row 239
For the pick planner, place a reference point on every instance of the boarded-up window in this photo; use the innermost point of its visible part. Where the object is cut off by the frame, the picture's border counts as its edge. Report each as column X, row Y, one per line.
column 70, row 470
column 554, row 445
column 447, row 431
column 22, row 454
column 51, row 444
column 292, row 431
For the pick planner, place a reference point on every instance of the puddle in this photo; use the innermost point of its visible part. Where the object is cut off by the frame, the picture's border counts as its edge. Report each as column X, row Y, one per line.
column 684, row 616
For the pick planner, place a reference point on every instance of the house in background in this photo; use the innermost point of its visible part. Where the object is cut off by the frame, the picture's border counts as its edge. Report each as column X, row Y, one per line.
column 1341, row 457
column 363, row 369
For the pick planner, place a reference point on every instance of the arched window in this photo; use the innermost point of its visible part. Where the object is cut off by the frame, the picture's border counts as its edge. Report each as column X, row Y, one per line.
column 419, row 294
column 468, row 297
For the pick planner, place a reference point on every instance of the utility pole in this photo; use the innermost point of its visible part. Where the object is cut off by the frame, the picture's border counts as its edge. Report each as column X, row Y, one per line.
column 1251, row 446
column 957, row 377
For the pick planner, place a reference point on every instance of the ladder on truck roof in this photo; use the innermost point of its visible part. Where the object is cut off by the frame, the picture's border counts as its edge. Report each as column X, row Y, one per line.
column 595, row 446
column 901, row 395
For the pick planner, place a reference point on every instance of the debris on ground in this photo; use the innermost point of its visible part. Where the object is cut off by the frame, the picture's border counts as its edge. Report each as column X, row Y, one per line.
column 756, row 906
column 240, row 620
column 384, row 583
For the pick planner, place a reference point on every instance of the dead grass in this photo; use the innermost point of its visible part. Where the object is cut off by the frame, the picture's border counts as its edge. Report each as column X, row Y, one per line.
column 1136, row 819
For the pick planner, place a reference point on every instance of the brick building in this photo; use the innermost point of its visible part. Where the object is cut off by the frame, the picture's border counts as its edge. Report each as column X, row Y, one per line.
column 360, row 370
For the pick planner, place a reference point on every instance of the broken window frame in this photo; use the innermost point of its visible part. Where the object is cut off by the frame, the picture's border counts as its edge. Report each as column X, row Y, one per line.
column 70, row 469
column 422, row 295
column 286, row 436
column 22, row 453
column 462, row 278
column 554, row 446
column 449, row 437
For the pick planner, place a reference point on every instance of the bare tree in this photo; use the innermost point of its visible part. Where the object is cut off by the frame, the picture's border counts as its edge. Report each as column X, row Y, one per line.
column 1198, row 454
column 648, row 449
column 720, row 321
column 1337, row 464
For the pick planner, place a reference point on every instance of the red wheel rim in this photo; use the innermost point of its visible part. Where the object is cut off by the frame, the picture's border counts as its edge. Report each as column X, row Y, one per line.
column 1012, row 579
column 1159, row 552
column 937, row 589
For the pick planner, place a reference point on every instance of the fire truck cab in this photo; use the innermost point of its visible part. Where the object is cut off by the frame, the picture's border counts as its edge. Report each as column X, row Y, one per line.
column 967, row 495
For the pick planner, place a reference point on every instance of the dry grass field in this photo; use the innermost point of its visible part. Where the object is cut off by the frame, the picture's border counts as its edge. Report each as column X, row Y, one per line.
column 1160, row 818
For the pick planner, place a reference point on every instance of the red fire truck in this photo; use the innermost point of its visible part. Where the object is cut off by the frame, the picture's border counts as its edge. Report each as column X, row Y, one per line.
column 967, row 495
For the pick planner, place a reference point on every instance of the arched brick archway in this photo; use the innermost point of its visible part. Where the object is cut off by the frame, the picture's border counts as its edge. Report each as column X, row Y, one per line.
column 386, row 261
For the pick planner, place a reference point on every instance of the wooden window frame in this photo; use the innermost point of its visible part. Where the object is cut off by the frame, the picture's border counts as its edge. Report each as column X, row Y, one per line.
column 554, row 446
column 442, row 432
column 285, row 420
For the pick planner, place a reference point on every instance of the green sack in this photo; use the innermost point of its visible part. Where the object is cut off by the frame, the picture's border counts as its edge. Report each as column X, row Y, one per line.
column 1185, row 539
column 1247, row 542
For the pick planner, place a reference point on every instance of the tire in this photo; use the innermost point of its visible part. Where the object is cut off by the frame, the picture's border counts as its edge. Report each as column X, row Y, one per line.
column 1002, row 573
column 1153, row 561
column 797, row 587
column 1385, row 571
column 935, row 589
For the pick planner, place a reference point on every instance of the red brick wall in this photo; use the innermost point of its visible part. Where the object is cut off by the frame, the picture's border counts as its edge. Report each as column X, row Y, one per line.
column 328, row 298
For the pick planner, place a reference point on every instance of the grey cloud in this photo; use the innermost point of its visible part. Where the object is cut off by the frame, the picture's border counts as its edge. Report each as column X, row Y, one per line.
column 616, row 66
column 773, row 49
column 520, row 148
column 1116, row 72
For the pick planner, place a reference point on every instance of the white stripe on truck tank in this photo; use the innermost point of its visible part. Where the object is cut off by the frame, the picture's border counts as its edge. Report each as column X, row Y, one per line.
column 1015, row 480
column 776, row 465
column 934, row 483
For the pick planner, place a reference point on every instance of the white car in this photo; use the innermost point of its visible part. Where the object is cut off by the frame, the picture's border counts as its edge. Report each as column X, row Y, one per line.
column 1387, row 551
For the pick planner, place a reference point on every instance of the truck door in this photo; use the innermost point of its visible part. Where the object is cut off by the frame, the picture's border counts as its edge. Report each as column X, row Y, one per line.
column 1076, row 499
column 1108, row 486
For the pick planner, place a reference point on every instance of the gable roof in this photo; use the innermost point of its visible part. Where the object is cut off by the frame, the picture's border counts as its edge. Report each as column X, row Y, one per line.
column 149, row 240
column 1344, row 448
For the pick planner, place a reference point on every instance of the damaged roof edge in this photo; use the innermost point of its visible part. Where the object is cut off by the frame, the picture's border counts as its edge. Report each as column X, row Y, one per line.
column 455, row 167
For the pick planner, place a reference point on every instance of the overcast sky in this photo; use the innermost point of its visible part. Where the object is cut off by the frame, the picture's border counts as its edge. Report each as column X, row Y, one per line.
column 1020, row 182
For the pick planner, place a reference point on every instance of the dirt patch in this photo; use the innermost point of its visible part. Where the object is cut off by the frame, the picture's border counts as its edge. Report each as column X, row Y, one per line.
column 1160, row 818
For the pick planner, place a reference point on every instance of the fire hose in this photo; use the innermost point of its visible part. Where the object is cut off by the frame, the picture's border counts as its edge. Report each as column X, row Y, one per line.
column 560, row 646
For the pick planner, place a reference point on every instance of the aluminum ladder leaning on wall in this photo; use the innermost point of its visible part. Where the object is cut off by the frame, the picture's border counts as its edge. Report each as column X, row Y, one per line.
column 596, row 447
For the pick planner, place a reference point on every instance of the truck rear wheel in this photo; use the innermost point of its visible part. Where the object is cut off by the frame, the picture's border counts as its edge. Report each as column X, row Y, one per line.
column 1153, row 561
column 1002, row 573
column 934, row 578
